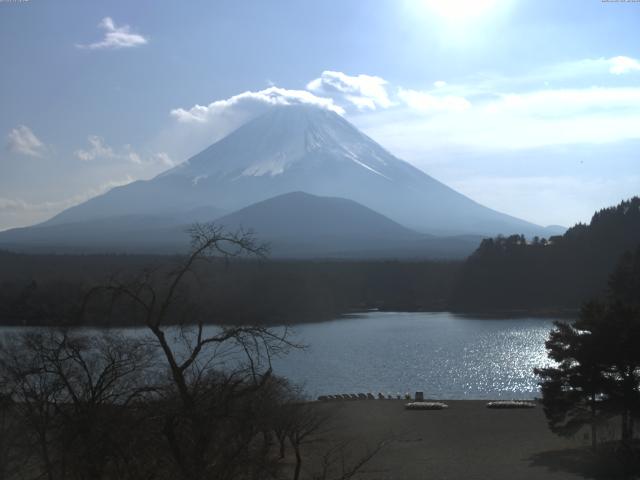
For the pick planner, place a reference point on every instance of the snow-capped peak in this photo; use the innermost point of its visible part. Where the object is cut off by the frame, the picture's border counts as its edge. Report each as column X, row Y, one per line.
column 288, row 137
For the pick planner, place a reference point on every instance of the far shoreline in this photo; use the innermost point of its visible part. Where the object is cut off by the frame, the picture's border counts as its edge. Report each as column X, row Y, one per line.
column 561, row 314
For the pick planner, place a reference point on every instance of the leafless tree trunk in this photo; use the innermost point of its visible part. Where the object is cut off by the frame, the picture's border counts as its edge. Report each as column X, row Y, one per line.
column 92, row 413
column 69, row 393
column 206, row 394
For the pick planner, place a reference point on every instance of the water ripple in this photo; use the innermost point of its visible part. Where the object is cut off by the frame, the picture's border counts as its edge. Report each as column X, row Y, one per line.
column 442, row 354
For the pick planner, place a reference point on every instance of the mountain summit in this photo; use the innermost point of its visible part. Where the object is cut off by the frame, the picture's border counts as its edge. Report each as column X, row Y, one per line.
column 285, row 139
column 308, row 149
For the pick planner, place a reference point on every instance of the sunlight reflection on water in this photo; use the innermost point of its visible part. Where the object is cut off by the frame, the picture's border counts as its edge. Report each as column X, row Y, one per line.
column 445, row 355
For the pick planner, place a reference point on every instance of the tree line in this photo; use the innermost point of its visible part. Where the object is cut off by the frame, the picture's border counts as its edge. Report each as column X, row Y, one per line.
column 504, row 274
column 514, row 273
column 48, row 289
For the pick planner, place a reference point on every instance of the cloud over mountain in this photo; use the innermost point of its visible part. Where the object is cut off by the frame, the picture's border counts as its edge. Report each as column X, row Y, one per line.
column 253, row 104
column 363, row 91
column 490, row 111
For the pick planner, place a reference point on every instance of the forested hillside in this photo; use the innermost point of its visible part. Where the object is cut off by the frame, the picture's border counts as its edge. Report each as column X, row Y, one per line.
column 504, row 274
column 510, row 273
column 48, row 289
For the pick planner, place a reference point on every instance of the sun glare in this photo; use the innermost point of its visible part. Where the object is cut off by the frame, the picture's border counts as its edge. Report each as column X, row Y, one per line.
column 460, row 10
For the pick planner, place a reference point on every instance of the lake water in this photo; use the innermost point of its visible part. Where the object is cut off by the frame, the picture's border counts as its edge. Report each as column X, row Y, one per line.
column 446, row 356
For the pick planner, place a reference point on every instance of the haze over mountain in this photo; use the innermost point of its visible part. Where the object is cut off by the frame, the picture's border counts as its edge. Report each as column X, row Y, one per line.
column 131, row 233
column 302, row 148
column 294, row 225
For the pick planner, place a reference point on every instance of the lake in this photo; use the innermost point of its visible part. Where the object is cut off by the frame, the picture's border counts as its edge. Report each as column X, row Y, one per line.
column 445, row 355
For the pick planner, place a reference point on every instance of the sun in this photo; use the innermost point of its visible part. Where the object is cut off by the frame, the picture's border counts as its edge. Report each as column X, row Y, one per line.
column 459, row 11
column 459, row 23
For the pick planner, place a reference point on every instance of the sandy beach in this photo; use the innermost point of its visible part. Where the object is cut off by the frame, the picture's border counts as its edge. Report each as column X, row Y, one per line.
column 465, row 441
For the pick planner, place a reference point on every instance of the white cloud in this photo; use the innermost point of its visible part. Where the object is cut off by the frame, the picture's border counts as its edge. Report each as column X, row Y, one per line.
column 589, row 69
column 567, row 102
column 11, row 204
column 549, row 106
column 201, row 125
column 162, row 158
column 536, row 198
column 512, row 122
column 98, row 149
column 554, row 105
column 252, row 104
column 427, row 102
column 363, row 91
column 620, row 65
column 116, row 37
column 573, row 74
column 18, row 212
column 21, row 205
column 436, row 124
column 22, row 140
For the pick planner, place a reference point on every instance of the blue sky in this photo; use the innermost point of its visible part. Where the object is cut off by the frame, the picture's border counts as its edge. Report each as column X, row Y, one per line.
column 529, row 107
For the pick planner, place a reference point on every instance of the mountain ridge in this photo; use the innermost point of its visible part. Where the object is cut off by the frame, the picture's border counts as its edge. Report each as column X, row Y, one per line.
column 295, row 225
column 303, row 148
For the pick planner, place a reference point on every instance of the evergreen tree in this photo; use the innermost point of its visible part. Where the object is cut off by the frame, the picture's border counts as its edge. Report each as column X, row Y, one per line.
column 507, row 273
column 598, row 360
column 572, row 391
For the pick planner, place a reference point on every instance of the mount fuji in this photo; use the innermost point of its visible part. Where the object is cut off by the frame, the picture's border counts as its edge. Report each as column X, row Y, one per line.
column 295, row 148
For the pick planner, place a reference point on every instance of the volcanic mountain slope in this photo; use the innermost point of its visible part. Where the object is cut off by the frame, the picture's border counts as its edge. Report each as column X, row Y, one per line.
column 299, row 225
column 293, row 225
column 131, row 233
column 308, row 149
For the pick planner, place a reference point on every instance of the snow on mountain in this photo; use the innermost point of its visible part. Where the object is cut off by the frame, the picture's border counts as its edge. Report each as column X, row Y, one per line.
column 278, row 141
column 308, row 149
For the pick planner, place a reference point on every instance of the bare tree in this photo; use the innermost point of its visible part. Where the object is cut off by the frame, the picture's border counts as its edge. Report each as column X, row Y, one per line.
column 35, row 393
column 309, row 426
column 71, row 393
column 7, row 433
column 305, row 420
column 211, row 369
column 101, row 407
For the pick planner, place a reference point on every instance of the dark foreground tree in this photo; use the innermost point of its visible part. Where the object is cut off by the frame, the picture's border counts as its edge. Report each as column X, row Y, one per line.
column 175, row 399
column 572, row 392
column 71, row 402
column 8, row 459
column 213, row 372
column 598, row 361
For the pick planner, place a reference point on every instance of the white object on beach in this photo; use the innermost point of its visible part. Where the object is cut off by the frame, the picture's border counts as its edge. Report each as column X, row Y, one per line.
column 425, row 406
column 511, row 404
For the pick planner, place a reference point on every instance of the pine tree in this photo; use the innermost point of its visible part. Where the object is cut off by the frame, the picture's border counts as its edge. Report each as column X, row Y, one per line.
column 598, row 360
